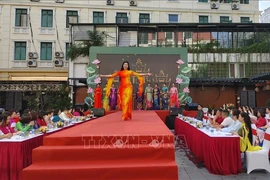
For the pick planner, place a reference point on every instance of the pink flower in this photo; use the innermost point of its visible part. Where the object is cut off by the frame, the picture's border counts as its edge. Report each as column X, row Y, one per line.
column 179, row 80
column 96, row 61
column 97, row 80
column 90, row 90
column 180, row 62
column 186, row 90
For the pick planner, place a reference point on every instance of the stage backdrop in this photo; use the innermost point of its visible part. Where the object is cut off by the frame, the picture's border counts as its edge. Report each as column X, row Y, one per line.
column 161, row 62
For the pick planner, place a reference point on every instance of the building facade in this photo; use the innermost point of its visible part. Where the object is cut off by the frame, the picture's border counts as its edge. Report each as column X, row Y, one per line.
column 265, row 16
column 35, row 34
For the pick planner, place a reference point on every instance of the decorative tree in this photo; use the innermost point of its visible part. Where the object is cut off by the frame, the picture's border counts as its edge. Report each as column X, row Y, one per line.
column 183, row 81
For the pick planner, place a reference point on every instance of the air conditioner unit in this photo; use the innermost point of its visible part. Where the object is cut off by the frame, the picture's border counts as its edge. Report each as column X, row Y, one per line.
column 235, row 6
column 110, row 2
column 34, row 0
column 58, row 63
column 32, row 63
column 59, row 1
column 214, row 5
column 59, row 55
column 32, row 55
column 132, row 3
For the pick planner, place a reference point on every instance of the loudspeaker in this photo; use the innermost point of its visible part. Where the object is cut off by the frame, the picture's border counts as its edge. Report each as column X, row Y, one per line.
column 98, row 112
column 191, row 107
column 173, row 112
column 170, row 121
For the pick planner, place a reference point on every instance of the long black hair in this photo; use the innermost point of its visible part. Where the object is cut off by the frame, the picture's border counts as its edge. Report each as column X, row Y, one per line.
column 248, row 125
column 122, row 67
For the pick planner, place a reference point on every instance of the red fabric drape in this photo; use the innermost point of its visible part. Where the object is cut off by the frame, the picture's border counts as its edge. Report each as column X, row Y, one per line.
column 14, row 156
column 221, row 155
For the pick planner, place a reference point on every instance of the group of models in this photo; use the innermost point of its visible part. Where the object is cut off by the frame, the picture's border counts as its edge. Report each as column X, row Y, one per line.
column 153, row 98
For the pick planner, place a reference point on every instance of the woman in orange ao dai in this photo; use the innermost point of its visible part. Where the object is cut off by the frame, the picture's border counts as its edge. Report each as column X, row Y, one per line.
column 125, row 88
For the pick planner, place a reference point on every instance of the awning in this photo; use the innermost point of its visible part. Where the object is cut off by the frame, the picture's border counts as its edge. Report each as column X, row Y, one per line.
column 264, row 76
column 39, row 78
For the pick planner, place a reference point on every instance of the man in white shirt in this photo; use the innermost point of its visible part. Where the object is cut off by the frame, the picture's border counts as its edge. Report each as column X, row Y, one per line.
column 227, row 122
column 237, row 125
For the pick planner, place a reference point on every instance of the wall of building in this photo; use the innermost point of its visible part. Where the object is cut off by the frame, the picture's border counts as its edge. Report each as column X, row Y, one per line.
column 188, row 11
column 265, row 16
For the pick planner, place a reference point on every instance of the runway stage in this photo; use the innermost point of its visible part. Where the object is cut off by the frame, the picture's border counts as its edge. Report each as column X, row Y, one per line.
column 108, row 148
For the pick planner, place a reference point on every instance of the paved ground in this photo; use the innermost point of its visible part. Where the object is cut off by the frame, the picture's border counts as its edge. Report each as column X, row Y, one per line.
column 189, row 169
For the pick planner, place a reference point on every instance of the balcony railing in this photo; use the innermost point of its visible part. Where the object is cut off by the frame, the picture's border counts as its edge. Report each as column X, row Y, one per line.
column 45, row 30
column 21, row 30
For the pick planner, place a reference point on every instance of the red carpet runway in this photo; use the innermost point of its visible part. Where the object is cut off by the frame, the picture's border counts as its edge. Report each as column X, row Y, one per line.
column 108, row 148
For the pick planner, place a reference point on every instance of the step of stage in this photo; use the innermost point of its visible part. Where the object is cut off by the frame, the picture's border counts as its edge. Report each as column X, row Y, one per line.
column 128, row 170
column 105, row 153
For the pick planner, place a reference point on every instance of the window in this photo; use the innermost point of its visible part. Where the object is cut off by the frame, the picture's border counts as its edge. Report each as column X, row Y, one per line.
column 154, row 36
column 173, row 18
column 241, row 70
column 98, row 17
column 244, row 20
column 224, row 19
column 232, row 73
column 121, row 18
column 203, row 19
column 72, row 17
column 143, row 38
column 46, row 51
column 67, row 49
column 169, row 35
column 21, row 18
column 188, row 35
column 205, row 1
column 47, row 18
column 225, row 1
column 144, row 18
column 20, row 51
column 244, row 1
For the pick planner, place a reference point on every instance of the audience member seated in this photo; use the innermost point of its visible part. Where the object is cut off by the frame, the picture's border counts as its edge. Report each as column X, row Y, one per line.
column 237, row 124
column 56, row 114
column 218, row 119
column 25, row 123
column 200, row 113
column 48, row 117
column 5, row 125
column 261, row 122
column 64, row 115
column 41, row 121
column 227, row 122
column 245, row 134
column 77, row 112
column 2, row 135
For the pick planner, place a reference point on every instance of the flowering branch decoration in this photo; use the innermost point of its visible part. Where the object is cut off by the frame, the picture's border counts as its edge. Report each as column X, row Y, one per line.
column 186, row 90
column 96, row 62
column 97, row 80
column 179, row 62
column 179, row 80
column 90, row 90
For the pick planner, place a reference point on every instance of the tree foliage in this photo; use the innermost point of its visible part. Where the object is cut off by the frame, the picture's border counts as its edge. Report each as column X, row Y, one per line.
column 96, row 38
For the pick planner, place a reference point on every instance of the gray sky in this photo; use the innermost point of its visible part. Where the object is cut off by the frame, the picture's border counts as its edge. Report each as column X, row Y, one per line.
column 264, row 4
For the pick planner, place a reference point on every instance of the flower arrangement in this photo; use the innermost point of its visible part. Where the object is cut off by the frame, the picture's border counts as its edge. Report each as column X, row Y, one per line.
column 199, row 125
column 228, row 106
column 43, row 129
column 184, row 118
column 60, row 124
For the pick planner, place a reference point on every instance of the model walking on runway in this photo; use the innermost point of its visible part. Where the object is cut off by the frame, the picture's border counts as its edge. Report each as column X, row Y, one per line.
column 125, row 88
